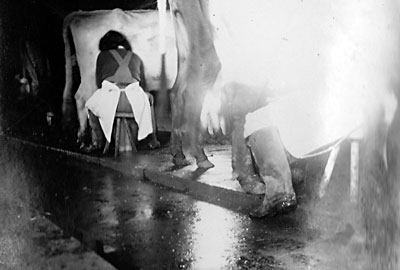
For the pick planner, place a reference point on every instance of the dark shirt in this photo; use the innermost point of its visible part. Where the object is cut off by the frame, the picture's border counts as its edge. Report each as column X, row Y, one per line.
column 106, row 66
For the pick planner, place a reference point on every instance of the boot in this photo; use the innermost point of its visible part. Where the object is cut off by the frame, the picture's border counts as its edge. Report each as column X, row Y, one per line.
column 271, row 160
column 242, row 163
column 279, row 204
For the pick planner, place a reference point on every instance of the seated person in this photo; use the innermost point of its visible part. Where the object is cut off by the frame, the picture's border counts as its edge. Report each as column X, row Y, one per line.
column 119, row 73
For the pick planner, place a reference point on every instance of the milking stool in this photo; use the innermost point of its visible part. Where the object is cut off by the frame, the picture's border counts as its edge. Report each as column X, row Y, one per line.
column 123, row 114
column 355, row 139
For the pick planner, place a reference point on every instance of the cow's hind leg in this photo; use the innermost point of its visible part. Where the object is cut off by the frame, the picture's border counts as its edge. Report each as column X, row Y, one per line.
column 177, row 109
column 83, row 119
column 193, row 110
column 178, row 158
column 198, row 151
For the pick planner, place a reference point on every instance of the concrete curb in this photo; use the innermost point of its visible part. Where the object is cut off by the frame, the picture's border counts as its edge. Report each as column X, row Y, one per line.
column 230, row 199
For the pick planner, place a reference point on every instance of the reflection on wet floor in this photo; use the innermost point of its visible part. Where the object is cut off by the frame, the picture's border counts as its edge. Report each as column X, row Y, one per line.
column 215, row 233
column 137, row 225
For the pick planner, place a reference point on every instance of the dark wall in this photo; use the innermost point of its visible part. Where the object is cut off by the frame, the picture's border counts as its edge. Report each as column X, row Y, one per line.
column 22, row 20
column 40, row 21
column 9, row 63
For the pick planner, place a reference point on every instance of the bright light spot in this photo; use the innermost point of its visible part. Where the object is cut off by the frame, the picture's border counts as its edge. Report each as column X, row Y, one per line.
column 209, row 114
column 108, row 214
column 162, row 6
column 330, row 66
column 214, row 237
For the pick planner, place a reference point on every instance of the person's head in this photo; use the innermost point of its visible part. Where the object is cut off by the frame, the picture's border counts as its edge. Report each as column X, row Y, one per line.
column 112, row 39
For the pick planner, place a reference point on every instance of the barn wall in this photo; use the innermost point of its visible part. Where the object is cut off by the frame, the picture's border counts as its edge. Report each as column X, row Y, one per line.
column 30, row 20
column 9, row 65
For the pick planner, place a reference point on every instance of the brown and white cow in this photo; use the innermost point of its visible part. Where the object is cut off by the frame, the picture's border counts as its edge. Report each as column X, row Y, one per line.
column 141, row 27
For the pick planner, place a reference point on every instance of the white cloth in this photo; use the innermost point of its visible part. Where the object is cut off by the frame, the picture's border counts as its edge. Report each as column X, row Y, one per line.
column 103, row 103
column 305, row 124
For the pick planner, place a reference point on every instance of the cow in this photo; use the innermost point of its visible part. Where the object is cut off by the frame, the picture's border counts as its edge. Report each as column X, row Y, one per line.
column 35, row 75
column 199, row 73
column 340, row 59
column 35, row 67
column 34, row 83
column 141, row 27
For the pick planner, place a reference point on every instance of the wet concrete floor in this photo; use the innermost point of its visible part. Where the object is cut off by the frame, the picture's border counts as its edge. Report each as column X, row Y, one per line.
column 134, row 223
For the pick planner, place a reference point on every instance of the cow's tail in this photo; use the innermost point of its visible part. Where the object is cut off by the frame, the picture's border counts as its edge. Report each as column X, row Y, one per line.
column 162, row 93
column 162, row 10
column 67, row 94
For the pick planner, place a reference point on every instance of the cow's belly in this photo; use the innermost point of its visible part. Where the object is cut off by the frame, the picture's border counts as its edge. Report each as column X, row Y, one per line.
column 153, row 65
column 338, row 59
column 141, row 30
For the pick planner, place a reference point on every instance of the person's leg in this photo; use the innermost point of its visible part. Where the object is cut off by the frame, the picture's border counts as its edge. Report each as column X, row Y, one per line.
column 270, row 158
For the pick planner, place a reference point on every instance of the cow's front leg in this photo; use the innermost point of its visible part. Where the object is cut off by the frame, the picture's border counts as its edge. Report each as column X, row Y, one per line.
column 83, row 119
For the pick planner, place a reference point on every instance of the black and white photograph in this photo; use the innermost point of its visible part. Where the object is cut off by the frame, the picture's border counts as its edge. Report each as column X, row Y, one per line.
column 199, row 134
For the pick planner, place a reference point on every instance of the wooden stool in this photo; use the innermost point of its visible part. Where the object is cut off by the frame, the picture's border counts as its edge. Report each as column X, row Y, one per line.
column 119, row 116
column 354, row 169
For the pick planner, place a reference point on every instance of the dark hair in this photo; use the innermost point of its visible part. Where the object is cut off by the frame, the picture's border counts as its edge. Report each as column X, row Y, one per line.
column 112, row 39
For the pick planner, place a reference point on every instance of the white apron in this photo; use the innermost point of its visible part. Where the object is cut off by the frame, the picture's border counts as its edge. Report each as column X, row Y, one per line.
column 103, row 103
column 306, row 123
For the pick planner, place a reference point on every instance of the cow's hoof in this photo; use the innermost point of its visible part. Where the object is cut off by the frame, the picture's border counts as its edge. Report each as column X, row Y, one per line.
column 252, row 185
column 181, row 162
column 154, row 144
column 283, row 205
column 205, row 164
column 81, row 145
column 92, row 149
